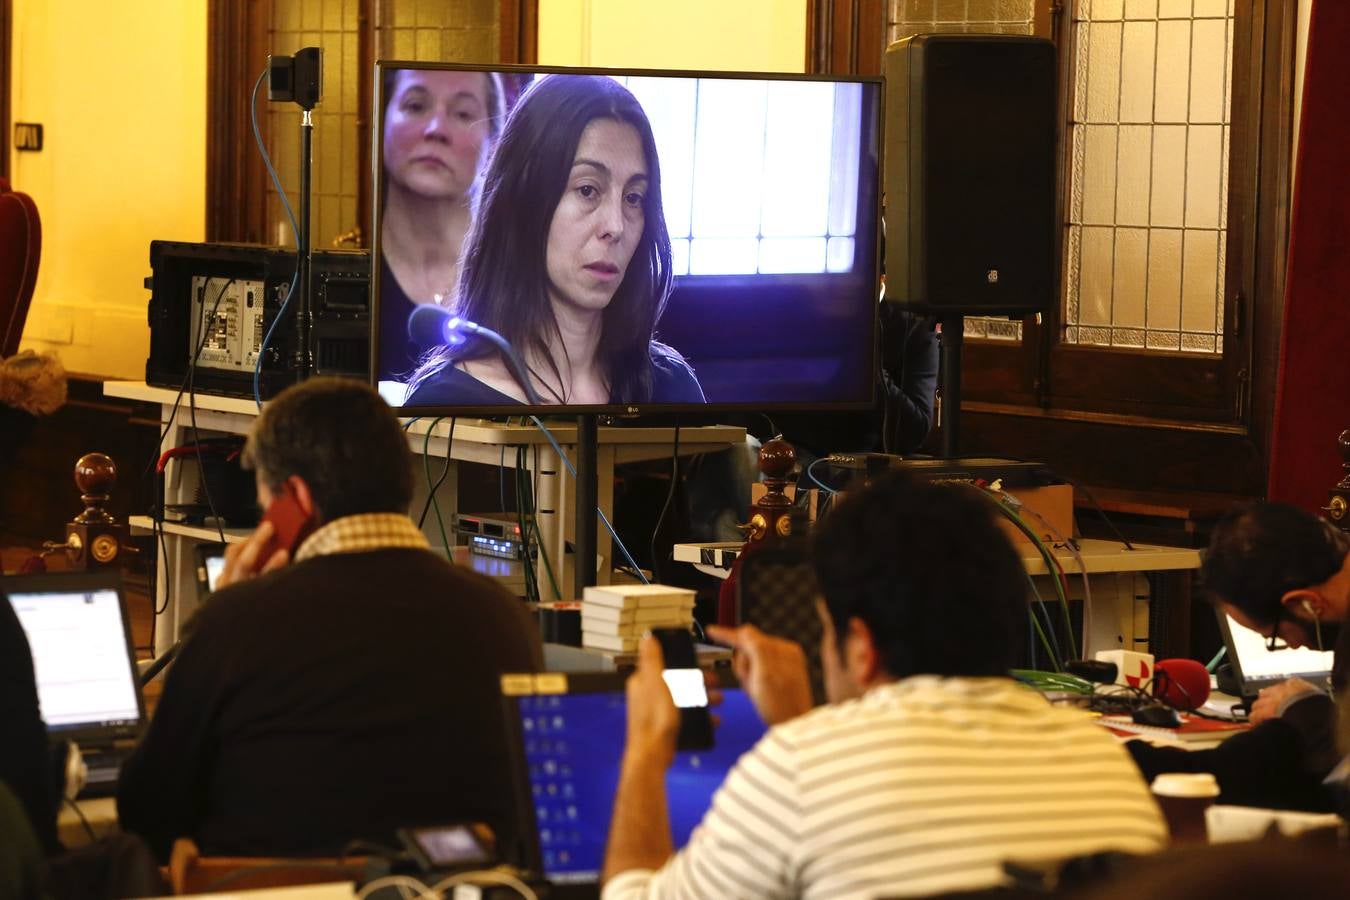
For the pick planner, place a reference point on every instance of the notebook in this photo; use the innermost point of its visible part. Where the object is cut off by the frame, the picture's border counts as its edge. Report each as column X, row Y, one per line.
column 565, row 732
column 1192, row 728
column 80, row 638
column 1254, row 667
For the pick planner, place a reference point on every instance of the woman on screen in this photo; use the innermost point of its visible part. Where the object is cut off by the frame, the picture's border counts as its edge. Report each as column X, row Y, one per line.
column 438, row 126
column 568, row 258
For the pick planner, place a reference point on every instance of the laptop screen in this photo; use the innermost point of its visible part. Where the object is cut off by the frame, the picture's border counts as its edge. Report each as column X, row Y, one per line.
column 573, row 745
column 1257, row 664
column 86, row 678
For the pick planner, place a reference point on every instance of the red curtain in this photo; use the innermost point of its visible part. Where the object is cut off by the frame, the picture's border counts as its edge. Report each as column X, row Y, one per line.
column 1312, row 393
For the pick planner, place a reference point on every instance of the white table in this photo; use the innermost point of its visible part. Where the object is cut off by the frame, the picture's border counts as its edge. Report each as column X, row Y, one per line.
column 474, row 440
column 1120, row 591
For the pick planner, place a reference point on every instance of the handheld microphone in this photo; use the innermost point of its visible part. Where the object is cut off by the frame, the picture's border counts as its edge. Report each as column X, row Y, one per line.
column 431, row 325
column 1181, row 683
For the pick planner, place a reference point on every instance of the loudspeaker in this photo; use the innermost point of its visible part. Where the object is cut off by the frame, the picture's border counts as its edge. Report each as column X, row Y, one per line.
column 970, row 174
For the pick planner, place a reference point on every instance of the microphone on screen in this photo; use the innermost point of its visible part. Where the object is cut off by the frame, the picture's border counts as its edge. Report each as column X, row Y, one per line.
column 433, row 326
column 1181, row 683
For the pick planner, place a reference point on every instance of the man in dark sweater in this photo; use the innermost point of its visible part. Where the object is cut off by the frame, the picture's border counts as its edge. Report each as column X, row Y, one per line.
column 350, row 688
column 1286, row 574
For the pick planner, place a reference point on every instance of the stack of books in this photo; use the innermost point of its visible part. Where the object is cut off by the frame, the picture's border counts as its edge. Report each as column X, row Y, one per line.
column 614, row 617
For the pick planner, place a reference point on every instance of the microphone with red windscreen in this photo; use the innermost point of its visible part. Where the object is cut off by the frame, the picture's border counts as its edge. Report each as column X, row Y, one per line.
column 1181, row 683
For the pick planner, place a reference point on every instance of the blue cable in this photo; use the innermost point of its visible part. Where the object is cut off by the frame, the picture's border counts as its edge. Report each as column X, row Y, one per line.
column 408, row 424
column 295, row 229
column 818, row 483
column 608, row 527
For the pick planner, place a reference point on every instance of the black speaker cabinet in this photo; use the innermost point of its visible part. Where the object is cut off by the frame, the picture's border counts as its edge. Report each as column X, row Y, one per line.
column 970, row 174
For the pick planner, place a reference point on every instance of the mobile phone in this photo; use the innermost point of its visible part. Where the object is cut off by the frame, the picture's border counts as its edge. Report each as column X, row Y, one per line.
column 460, row 845
column 685, row 680
column 290, row 525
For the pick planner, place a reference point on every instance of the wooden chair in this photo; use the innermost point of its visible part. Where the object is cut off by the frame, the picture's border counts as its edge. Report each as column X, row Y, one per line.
column 20, row 250
column 191, row 873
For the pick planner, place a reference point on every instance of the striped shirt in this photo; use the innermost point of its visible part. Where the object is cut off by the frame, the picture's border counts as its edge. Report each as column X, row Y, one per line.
column 922, row 786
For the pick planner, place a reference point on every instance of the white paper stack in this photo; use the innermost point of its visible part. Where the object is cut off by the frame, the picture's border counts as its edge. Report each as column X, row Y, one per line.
column 614, row 617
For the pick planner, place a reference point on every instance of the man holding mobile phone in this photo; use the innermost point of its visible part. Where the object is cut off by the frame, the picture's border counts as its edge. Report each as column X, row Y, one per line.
column 343, row 683
column 928, row 768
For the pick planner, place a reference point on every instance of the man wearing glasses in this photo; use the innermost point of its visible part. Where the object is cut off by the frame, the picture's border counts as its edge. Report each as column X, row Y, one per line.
column 1285, row 574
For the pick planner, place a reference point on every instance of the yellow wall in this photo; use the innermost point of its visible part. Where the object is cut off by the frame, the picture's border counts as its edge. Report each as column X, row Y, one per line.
column 120, row 89
column 749, row 35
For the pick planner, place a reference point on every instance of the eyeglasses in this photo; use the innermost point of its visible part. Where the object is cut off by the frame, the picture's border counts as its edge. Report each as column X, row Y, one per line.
column 1274, row 642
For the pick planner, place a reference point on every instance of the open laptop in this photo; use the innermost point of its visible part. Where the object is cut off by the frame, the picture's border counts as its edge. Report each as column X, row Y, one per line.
column 1254, row 667
column 80, row 639
column 565, row 736
column 210, row 560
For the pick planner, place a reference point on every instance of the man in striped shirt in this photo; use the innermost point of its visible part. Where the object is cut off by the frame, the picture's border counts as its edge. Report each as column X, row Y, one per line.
column 929, row 768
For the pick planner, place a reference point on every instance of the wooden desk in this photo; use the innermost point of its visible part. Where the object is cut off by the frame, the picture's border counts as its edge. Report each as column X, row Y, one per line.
column 474, row 440
column 1121, row 592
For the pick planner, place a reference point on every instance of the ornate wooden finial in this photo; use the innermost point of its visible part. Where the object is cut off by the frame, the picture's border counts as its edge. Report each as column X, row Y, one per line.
column 1338, row 505
column 95, row 476
column 771, row 514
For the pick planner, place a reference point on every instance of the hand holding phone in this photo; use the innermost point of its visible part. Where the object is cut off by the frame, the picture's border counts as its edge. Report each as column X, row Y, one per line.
column 290, row 524
column 283, row 528
column 687, row 688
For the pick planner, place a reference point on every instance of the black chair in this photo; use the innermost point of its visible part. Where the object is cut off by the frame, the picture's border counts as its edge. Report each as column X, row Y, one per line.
column 776, row 592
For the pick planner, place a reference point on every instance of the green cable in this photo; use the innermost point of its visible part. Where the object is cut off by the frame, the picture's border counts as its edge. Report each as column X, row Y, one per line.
column 1036, row 623
column 1051, row 563
column 1214, row 663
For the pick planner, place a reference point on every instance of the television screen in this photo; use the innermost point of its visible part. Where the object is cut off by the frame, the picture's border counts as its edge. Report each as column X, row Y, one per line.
column 623, row 241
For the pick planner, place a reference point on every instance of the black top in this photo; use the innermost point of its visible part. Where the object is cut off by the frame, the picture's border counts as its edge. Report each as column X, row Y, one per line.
column 25, row 760
column 398, row 354
column 338, row 698
column 1279, row 764
column 673, row 381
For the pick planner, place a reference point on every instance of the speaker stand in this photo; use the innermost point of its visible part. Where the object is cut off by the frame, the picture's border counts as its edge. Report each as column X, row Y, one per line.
column 949, row 382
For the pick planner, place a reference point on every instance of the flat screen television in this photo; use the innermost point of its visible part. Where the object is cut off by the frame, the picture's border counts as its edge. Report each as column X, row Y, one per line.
column 582, row 240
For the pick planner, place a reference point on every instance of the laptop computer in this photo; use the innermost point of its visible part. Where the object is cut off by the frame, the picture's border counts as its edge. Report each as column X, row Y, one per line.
column 80, row 639
column 210, row 563
column 1254, row 667
column 565, row 734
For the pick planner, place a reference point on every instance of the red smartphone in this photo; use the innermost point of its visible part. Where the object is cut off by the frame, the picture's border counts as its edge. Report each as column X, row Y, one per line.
column 290, row 525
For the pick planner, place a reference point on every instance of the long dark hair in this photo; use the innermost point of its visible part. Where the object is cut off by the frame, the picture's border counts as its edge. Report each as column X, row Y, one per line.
column 503, row 282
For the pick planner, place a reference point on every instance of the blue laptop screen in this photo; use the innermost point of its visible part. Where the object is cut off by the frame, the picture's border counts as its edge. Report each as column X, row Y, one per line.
column 573, row 745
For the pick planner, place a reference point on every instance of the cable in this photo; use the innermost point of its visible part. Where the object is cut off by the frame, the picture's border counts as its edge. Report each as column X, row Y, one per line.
column 1051, row 562
column 445, row 471
column 670, row 495
column 538, row 536
column 1050, row 643
column 206, row 324
column 88, row 829
column 601, row 513
column 426, row 468
column 295, row 229
column 1101, row 512
column 1076, row 552
column 1213, row 664
column 810, row 473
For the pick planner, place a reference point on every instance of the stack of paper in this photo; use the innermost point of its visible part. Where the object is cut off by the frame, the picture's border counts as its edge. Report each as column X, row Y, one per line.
column 613, row 617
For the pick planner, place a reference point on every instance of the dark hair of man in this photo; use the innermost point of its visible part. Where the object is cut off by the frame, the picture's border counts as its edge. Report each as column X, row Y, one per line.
column 342, row 439
column 927, row 569
column 1261, row 551
column 503, row 282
